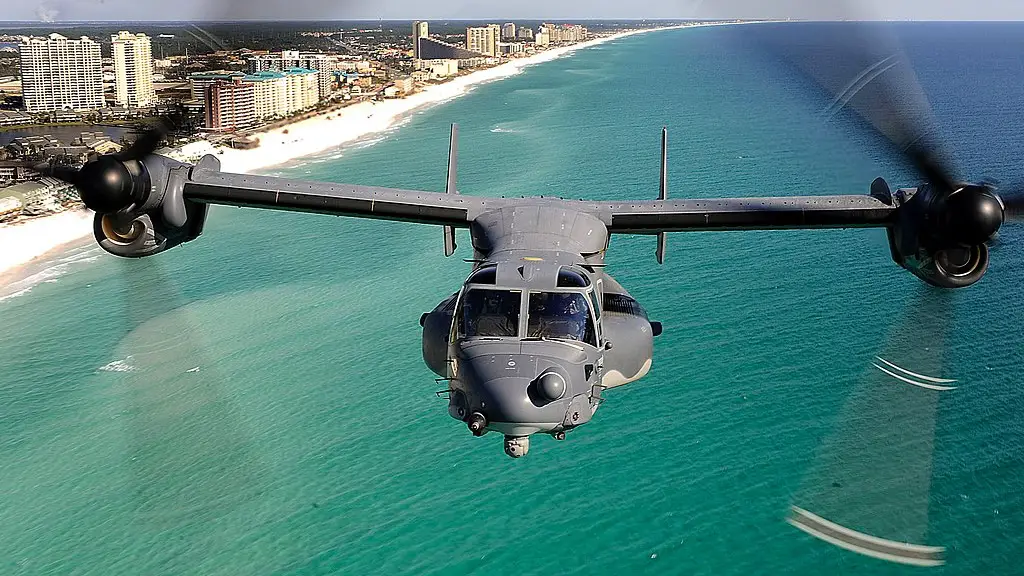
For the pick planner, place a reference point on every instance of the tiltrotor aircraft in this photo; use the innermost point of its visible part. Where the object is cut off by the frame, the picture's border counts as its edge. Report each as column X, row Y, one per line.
column 539, row 330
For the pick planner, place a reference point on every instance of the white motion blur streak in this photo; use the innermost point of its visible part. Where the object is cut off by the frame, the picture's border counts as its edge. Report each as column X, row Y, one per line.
column 910, row 375
column 873, row 546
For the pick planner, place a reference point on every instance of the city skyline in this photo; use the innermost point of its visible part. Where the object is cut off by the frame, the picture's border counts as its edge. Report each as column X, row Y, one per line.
column 127, row 10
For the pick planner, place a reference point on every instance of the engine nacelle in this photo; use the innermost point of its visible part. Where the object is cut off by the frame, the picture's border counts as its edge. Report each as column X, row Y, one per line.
column 437, row 326
column 146, row 234
column 158, row 216
column 940, row 238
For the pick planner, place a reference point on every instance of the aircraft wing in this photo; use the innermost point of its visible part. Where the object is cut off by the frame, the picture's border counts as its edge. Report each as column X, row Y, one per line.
column 207, row 186
column 771, row 213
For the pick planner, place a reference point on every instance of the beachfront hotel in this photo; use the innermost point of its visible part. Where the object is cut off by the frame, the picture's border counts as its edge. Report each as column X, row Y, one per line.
column 59, row 73
column 272, row 95
column 484, row 39
column 325, row 66
column 230, row 105
column 133, row 70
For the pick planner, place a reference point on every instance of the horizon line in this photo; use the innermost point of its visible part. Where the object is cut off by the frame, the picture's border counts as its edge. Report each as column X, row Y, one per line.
column 508, row 19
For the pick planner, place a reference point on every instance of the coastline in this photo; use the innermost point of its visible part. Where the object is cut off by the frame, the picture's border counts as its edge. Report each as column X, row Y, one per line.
column 333, row 129
column 28, row 241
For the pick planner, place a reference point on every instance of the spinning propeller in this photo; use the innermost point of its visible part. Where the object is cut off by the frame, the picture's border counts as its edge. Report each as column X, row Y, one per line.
column 870, row 488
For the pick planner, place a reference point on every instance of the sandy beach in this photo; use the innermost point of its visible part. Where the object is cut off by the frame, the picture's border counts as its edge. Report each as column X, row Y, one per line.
column 22, row 242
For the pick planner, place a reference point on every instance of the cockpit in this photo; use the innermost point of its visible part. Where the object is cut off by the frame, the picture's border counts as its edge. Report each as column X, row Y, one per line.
column 566, row 312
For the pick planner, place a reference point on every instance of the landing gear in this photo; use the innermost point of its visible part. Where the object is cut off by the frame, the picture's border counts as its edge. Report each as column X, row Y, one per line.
column 517, row 446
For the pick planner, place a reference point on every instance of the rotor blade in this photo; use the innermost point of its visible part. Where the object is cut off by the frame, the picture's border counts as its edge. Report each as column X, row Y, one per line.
column 150, row 139
column 869, row 488
column 180, row 423
column 862, row 70
column 1013, row 205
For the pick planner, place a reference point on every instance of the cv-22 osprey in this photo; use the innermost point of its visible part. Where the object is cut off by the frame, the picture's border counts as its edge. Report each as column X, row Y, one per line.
column 539, row 330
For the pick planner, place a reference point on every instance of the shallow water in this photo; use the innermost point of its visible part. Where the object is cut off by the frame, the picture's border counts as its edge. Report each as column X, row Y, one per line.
column 310, row 440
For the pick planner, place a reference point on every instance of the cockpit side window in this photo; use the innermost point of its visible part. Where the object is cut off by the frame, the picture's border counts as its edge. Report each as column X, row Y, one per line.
column 489, row 313
column 485, row 275
column 560, row 315
column 569, row 278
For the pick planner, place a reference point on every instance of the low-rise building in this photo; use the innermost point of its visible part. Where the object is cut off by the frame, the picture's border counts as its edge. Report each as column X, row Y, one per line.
column 10, row 207
column 508, row 48
column 14, row 172
column 41, row 196
column 438, row 67
column 14, row 118
column 64, row 116
column 404, row 85
column 32, row 145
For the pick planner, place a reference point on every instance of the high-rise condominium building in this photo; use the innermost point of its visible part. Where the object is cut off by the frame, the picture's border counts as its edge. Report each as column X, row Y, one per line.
column 419, row 30
column 230, row 105
column 59, row 73
column 133, row 69
column 508, row 30
column 484, row 39
column 325, row 66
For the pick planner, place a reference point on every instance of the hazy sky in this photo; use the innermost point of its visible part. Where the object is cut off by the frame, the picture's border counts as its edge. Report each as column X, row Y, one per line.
column 504, row 9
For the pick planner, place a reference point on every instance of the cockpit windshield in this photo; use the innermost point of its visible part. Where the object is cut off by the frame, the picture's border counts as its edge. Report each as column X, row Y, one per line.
column 560, row 315
column 492, row 313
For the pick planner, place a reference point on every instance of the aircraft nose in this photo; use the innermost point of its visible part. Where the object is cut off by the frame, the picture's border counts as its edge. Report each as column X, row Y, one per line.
column 518, row 394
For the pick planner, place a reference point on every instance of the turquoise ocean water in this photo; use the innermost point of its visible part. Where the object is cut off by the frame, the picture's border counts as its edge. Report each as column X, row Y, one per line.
column 310, row 440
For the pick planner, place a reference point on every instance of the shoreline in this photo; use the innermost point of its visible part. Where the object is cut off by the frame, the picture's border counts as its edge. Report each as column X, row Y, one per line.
column 35, row 239
column 348, row 125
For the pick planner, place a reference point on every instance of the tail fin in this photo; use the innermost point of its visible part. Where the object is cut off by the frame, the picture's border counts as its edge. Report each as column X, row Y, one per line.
column 453, row 153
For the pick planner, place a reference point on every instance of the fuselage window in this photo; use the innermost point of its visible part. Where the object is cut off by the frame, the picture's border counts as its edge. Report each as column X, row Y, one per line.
column 492, row 313
column 485, row 275
column 569, row 278
column 560, row 315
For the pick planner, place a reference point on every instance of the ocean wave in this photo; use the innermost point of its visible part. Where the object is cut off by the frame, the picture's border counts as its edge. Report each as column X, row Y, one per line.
column 56, row 268
column 119, row 366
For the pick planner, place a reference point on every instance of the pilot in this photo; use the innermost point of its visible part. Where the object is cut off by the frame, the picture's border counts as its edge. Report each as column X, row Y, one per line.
column 574, row 315
column 497, row 318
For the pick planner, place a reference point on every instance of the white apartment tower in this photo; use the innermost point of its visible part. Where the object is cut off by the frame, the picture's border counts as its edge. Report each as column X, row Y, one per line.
column 133, row 69
column 59, row 73
column 484, row 39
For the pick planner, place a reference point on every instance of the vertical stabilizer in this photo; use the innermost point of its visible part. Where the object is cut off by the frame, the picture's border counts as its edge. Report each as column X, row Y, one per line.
column 453, row 154
column 663, row 193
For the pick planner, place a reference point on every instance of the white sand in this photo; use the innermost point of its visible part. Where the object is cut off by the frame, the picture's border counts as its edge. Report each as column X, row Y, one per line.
column 30, row 239
column 23, row 242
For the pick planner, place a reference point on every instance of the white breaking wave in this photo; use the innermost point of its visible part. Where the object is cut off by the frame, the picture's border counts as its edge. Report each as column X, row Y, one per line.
column 119, row 366
column 50, row 274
